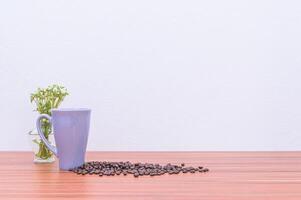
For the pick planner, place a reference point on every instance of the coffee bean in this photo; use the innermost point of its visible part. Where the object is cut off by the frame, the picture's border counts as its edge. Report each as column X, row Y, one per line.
column 137, row 169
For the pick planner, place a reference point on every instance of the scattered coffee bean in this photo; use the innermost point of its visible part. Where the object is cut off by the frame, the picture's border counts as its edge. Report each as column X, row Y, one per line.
column 137, row 169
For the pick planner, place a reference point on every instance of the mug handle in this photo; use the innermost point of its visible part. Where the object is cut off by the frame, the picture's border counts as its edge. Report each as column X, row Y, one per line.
column 46, row 142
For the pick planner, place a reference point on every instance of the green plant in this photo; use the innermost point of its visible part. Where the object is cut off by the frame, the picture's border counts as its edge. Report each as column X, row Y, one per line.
column 46, row 99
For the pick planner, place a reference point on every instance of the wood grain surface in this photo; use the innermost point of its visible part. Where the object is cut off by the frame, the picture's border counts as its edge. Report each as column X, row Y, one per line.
column 232, row 176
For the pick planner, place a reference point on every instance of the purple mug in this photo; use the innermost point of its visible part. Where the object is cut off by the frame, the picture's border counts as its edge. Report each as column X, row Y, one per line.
column 71, row 130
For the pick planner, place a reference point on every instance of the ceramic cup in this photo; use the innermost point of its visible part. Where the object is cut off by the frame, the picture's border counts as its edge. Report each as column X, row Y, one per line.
column 71, row 130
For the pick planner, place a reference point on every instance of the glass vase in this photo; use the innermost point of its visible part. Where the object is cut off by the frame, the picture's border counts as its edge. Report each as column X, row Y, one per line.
column 41, row 153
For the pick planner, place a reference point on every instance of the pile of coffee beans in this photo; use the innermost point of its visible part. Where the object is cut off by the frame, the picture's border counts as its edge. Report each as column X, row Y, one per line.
column 136, row 169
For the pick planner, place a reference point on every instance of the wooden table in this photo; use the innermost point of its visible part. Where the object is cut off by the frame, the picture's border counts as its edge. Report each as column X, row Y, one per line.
column 232, row 176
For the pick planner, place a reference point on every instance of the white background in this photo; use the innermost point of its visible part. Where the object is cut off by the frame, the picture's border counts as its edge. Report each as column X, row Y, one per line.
column 158, row 75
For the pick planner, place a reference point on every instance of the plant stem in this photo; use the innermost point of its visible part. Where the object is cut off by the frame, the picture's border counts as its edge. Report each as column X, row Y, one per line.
column 44, row 152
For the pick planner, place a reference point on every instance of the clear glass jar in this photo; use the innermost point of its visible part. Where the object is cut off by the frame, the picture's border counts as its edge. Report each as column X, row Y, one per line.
column 41, row 153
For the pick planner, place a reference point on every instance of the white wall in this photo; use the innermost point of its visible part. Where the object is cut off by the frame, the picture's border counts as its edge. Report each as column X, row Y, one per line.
column 158, row 75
